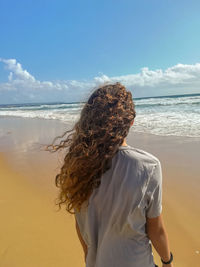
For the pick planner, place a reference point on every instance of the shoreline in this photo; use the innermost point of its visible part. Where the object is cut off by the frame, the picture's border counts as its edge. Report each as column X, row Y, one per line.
column 49, row 238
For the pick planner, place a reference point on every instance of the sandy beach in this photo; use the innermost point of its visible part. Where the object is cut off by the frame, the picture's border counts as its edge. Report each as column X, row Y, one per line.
column 34, row 234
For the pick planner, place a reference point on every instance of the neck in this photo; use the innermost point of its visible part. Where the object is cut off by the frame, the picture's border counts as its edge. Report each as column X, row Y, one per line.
column 124, row 143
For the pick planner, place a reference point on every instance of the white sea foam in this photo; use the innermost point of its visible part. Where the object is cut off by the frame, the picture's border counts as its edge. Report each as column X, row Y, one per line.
column 178, row 115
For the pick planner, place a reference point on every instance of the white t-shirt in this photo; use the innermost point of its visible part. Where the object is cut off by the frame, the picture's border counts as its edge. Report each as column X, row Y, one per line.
column 113, row 225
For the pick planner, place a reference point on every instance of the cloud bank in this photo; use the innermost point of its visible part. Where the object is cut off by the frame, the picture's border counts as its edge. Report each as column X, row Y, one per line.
column 22, row 87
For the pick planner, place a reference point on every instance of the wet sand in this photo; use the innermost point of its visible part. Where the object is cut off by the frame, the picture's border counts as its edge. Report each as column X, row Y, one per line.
column 33, row 233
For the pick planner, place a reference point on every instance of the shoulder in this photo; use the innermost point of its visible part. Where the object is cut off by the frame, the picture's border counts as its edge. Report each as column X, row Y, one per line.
column 147, row 164
column 140, row 156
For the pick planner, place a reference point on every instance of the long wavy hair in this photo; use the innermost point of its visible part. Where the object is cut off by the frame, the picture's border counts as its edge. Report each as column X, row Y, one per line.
column 104, row 122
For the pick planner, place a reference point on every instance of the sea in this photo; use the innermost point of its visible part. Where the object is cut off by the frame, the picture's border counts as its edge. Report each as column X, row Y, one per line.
column 175, row 115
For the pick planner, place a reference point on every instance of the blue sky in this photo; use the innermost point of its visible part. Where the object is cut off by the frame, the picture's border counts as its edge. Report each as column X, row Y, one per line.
column 59, row 50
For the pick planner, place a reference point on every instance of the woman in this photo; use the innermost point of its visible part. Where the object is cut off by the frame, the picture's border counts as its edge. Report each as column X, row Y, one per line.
column 114, row 189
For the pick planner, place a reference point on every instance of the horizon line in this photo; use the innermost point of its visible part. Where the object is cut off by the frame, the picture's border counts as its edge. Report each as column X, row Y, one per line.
column 135, row 98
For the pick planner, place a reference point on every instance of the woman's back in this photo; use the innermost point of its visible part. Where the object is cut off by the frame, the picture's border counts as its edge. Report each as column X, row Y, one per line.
column 113, row 225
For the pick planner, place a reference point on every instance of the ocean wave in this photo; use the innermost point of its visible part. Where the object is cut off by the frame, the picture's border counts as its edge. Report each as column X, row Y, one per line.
column 177, row 116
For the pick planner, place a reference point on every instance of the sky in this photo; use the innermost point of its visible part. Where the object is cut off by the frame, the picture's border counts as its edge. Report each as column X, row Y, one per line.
column 61, row 50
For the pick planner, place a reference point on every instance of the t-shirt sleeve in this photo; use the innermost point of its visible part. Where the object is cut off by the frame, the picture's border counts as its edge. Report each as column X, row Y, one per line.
column 154, row 191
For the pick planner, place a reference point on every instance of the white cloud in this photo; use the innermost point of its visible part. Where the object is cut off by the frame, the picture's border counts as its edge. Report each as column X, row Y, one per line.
column 178, row 74
column 102, row 79
column 16, row 69
column 23, row 87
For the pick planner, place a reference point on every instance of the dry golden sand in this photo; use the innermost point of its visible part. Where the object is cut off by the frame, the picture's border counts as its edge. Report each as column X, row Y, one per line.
column 33, row 234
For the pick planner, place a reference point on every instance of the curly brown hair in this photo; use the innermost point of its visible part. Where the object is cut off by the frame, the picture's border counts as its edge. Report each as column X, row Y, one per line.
column 104, row 122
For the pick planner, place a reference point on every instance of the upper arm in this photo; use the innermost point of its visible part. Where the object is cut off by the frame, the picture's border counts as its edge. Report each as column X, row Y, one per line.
column 154, row 192
column 84, row 245
column 154, row 222
column 154, row 225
